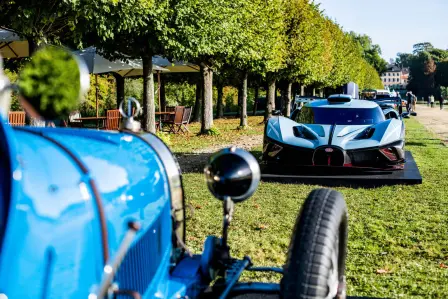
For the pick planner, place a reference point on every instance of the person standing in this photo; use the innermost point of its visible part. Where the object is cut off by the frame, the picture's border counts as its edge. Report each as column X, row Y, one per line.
column 431, row 99
column 441, row 102
column 409, row 98
column 414, row 103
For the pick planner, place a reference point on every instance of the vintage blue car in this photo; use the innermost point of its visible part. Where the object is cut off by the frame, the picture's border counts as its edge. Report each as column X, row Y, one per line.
column 99, row 214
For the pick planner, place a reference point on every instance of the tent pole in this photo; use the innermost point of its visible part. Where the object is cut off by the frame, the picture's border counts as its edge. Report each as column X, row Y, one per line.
column 158, row 88
column 96, row 94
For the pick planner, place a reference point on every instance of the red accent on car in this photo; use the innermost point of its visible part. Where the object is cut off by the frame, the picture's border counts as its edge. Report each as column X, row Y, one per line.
column 348, row 165
column 329, row 150
column 389, row 154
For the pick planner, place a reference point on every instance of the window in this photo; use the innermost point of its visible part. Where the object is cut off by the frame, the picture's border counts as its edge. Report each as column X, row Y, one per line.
column 340, row 116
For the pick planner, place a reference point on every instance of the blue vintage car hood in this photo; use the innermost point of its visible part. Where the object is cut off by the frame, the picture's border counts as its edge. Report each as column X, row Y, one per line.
column 52, row 207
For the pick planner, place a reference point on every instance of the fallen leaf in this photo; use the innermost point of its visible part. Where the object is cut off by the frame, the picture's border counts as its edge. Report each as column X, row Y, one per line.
column 442, row 265
column 256, row 206
column 383, row 271
column 262, row 227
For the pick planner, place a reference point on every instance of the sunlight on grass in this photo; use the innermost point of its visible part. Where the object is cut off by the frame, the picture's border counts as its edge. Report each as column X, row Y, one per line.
column 228, row 129
column 400, row 229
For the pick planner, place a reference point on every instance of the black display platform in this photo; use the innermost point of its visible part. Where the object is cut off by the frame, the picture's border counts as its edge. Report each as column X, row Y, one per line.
column 349, row 177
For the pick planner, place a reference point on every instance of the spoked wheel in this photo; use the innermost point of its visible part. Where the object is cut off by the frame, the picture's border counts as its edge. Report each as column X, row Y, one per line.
column 315, row 267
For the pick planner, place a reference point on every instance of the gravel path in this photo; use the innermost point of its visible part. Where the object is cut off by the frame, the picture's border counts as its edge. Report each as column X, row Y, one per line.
column 196, row 161
column 435, row 120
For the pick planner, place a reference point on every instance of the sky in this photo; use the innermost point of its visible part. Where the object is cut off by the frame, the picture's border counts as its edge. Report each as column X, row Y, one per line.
column 396, row 25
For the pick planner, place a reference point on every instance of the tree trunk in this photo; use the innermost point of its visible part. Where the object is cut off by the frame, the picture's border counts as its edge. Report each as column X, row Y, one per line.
column 255, row 100
column 197, row 104
column 162, row 92
column 219, row 104
column 243, row 116
column 207, row 99
column 240, row 99
column 302, row 90
column 270, row 99
column 149, row 108
column 32, row 46
column 288, row 99
column 119, row 81
column 314, row 92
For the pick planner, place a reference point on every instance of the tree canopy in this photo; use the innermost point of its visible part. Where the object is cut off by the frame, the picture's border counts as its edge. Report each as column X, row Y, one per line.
column 291, row 41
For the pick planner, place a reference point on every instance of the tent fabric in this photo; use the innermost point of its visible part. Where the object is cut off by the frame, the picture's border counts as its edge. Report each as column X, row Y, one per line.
column 97, row 64
column 165, row 64
column 12, row 45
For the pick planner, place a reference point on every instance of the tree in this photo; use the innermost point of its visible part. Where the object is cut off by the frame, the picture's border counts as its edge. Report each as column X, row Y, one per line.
column 403, row 60
column 261, row 46
column 442, row 73
column 308, row 57
column 125, row 30
column 39, row 22
column 422, row 47
column 370, row 52
column 204, row 32
column 422, row 74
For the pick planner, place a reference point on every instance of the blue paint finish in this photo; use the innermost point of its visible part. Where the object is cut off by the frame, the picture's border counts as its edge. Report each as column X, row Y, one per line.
column 52, row 208
column 52, row 243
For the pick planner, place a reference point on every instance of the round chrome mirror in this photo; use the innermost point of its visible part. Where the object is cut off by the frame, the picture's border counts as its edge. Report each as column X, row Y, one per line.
column 232, row 173
column 52, row 83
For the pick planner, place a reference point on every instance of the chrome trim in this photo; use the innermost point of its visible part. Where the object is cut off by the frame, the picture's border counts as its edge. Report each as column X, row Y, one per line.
column 174, row 175
column 253, row 165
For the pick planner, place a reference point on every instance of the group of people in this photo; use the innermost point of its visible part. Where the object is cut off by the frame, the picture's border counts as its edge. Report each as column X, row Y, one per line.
column 412, row 101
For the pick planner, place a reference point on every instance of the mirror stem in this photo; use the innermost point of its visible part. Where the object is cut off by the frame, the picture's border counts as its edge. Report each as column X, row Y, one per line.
column 228, row 213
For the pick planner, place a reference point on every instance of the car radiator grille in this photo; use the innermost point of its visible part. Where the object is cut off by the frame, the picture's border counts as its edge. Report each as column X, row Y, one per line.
column 324, row 158
column 143, row 258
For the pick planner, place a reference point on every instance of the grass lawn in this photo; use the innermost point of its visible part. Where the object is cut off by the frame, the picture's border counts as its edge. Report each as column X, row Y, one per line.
column 400, row 231
column 186, row 143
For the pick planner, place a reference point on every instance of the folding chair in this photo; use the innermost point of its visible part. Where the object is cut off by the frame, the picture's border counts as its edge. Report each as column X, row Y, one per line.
column 16, row 118
column 186, row 120
column 176, row 120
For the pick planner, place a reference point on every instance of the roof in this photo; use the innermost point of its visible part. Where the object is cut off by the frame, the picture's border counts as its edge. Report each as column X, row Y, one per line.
column 355, row 104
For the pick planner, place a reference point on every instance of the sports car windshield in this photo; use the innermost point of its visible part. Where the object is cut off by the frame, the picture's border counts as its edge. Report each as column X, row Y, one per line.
column 340, row 116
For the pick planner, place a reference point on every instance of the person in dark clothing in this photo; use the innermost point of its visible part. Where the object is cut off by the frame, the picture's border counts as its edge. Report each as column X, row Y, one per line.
column 409, row 98
column 441, row 102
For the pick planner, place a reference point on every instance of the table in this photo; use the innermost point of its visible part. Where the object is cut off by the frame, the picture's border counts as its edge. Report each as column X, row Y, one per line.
column 161, row 114
column 98, row 119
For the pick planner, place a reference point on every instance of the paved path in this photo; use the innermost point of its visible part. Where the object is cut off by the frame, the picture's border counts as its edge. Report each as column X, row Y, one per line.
column 434, row 119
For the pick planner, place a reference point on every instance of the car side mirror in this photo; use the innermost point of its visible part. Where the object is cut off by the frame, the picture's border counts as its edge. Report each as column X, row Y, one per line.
column 232, row 176
column 52, row 83
column 232, row 173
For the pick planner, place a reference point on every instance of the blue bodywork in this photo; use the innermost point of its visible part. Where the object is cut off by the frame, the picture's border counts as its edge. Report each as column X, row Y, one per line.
column 55, row 183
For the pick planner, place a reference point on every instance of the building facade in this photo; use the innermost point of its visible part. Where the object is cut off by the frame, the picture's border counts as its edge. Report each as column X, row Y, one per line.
column 395, row 77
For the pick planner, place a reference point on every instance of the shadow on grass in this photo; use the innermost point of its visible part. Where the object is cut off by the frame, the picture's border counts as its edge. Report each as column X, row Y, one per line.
column 192, row 163
column 412, row 143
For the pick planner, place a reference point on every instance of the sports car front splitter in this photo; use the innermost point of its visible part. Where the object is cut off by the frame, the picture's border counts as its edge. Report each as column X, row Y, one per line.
column 342, row 176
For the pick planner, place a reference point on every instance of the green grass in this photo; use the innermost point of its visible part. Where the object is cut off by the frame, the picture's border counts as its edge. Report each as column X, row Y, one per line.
column 401, row 229
column 228, row 129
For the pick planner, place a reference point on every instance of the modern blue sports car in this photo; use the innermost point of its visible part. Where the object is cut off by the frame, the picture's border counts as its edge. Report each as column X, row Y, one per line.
column 338, row 132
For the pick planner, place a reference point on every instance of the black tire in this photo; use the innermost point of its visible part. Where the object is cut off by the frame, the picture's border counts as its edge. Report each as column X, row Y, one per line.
column 319, row 238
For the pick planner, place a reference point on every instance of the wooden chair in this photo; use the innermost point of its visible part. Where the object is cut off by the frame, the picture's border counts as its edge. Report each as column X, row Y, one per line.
column 16, row 118
column 186, row 120
column 113, row 119
column 176, row 120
